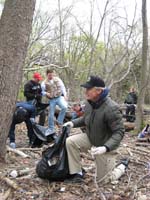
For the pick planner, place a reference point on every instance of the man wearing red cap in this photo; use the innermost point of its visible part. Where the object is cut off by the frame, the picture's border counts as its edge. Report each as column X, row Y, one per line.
column 33, row 91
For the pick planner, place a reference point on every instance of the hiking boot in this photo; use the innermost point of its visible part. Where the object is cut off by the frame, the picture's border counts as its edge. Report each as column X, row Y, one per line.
column 75, row 178
column 12, row 145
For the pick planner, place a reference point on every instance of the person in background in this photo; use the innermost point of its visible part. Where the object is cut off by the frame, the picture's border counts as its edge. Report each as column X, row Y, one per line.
column 24, row 113
column 53, row 88
column 33, row 94
column 131, row 101
column 78, row 110
column 104, row 129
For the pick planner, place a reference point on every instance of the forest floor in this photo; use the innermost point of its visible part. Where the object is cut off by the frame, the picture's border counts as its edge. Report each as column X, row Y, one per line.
column 134, row 184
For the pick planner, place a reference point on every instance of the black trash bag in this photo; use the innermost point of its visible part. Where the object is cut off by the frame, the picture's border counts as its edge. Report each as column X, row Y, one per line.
column 41, row 136
column 54, row 163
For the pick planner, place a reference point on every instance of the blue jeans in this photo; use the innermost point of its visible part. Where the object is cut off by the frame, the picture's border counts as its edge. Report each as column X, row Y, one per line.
column 74, row 115
column 29, row 107
column 62, row 103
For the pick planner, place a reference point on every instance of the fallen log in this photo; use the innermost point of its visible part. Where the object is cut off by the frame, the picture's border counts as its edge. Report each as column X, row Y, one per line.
column 122, row 108
column 23, row 172
column 20, row 153
column 143, row 144
column 129, row 126
column 29, row 149
column 5, row 195
column 11, row 183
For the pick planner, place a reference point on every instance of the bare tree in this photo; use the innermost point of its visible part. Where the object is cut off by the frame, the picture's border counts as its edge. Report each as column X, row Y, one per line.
column 15, row 28
column 144, row 70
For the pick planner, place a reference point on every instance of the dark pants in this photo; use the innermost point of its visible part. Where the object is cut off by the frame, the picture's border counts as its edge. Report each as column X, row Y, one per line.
column 130, row 113
column 40, row 110
column 29, row 129
column 42, row 118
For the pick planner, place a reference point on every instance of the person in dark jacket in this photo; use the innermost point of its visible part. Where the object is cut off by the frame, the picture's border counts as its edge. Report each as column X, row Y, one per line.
column 131, row 101
column 24, row 112
column 104, row 129
column 33, row 94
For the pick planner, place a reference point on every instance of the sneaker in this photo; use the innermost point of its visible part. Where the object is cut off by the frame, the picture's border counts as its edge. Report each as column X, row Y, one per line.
column 49, row 132
column 75, row 178
column 12, row 145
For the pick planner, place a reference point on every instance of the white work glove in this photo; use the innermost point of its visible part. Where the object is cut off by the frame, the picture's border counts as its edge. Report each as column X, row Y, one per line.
column 68, row 124
column 98, row 150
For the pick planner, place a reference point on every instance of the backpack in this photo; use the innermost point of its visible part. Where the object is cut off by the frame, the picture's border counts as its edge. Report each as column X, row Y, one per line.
column 54, row 163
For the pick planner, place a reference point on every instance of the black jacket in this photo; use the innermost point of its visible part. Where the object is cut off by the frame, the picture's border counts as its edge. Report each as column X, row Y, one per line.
column 32, row 90
column 131, row 98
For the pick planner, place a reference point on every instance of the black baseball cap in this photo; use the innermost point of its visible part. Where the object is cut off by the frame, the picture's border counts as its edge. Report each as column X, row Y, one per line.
column 94, row 81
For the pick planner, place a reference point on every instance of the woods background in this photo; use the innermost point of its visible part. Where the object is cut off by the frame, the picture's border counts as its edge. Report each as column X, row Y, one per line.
column 109, row 39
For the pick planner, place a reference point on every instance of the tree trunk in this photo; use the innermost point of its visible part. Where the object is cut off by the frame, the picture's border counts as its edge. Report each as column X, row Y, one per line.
column 15, row 28
column 139, row 121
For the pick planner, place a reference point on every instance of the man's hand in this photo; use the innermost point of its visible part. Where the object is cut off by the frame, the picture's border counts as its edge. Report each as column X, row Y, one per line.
column 48, row 95
column 68, row 124
column 98, row 150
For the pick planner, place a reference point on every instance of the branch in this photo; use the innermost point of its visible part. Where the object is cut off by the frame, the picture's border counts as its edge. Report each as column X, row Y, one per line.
column 11, row 183
column 6, row 194
column 46, row 66
column 18, row 152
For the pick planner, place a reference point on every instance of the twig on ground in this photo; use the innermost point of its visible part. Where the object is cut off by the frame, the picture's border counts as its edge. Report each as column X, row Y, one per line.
column 140, row 152
column 140, row 162
column 136, row 186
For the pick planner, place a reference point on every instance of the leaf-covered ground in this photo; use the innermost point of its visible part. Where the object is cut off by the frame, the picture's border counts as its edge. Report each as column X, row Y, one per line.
column 134, row 184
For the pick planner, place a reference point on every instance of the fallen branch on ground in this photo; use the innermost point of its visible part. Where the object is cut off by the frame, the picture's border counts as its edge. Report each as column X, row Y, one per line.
column 5, row 195
column 11, row 183
column 20, row 153
column 23, row 172
column 29, row 149
column 143, row 144
column 139, row 149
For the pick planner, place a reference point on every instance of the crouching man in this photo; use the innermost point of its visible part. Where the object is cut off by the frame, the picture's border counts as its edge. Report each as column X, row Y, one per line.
column 24, row 113
column 104, row 130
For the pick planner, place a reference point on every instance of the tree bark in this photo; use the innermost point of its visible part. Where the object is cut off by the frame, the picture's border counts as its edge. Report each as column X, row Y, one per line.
column 139, row 121
column 15, row 28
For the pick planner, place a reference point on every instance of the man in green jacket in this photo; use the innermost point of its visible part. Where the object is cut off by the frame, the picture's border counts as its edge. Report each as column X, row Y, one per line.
column 104, row 128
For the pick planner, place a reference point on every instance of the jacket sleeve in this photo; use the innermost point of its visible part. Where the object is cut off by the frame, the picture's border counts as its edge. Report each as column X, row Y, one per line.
column 115, row 123
column 79, row 122
column 27, row 91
